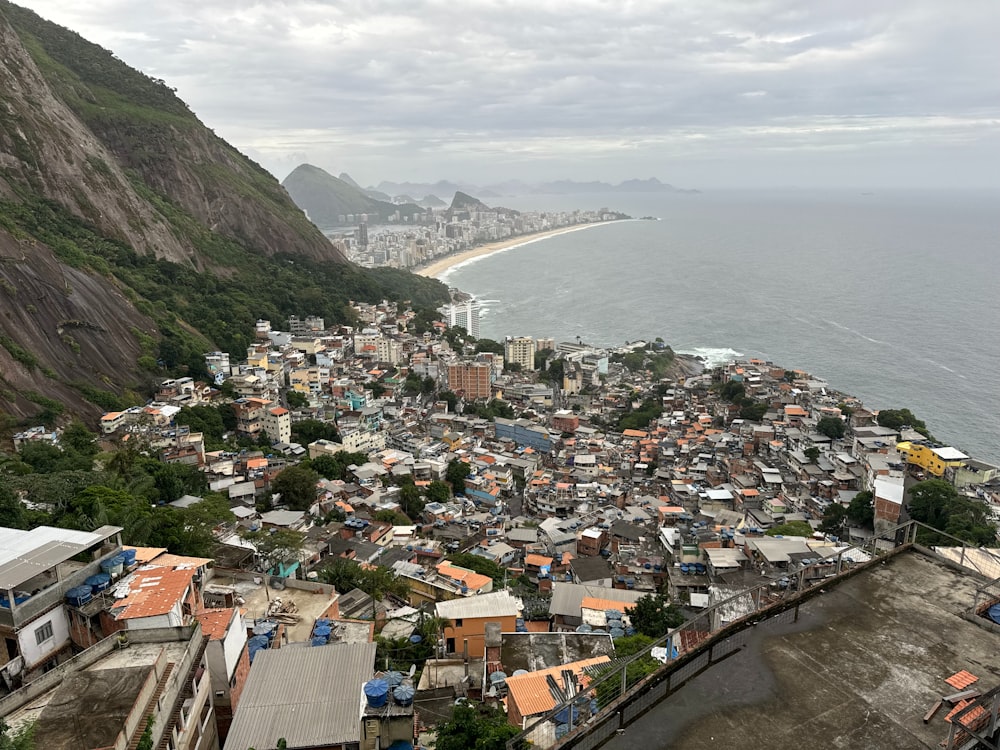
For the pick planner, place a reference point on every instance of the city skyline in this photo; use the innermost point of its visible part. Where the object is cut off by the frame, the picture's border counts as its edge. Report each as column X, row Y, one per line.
column 698, row 95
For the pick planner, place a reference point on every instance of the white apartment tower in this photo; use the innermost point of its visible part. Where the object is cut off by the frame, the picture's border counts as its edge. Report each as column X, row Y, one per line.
column 465, row 314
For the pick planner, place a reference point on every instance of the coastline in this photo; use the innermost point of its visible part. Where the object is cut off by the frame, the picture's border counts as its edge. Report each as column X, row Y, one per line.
column 440, row 266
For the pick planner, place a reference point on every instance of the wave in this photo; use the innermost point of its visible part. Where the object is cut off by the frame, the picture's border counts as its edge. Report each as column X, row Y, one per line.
column 856, row 333
column 713, row 356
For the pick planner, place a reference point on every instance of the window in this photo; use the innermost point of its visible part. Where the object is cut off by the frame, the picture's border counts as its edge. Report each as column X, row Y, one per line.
column 43, row 633
column 458, row 622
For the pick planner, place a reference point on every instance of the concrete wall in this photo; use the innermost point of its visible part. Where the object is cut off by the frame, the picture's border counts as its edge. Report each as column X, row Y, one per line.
column 33, row 652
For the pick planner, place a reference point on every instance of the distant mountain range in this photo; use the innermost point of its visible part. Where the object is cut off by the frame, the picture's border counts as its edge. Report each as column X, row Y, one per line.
column 329, row 200
column 518, row 187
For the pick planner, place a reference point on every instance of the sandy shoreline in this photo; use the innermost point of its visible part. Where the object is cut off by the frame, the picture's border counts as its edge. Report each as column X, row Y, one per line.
column 440, row 265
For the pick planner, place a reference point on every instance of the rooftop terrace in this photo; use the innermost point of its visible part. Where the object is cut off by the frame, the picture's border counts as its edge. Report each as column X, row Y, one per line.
column 860, row 668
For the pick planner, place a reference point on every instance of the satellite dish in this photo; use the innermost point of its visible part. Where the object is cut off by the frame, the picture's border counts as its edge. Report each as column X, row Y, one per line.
column 413, row 669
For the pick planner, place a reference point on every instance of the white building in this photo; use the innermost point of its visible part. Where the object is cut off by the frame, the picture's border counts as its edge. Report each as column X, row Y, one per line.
column 520, row 351
column 465, row 314
column 277, row 424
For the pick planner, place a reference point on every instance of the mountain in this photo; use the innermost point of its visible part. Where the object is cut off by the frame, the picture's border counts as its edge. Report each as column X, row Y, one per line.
column 518, row 187
column 463, row 205
column 431, row 201
column 133, row 239
column 326, row 199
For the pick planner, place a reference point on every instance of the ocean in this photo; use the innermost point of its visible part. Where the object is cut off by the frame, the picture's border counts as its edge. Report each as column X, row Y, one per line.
column 888, row 296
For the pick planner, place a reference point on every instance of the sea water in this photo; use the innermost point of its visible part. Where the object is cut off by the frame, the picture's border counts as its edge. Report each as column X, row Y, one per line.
column 889, row 296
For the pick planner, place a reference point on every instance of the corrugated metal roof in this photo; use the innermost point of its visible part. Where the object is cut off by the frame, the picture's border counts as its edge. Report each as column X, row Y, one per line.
column 26, row 554
column 310, row 696
column 496, row 604
column 567, row 598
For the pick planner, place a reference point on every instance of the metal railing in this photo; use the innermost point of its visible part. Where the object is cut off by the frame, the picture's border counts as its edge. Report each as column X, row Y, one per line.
column 619, row 693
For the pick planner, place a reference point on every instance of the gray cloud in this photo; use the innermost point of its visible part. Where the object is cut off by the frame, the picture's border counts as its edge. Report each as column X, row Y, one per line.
column 699, row 92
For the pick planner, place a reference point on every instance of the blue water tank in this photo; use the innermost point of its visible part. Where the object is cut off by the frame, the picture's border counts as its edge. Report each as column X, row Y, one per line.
column 79, row 595
column 617, row 632
column 323, row 631
column 584, row 628
column 129, row 555
column 416, row 638
column 394, row 679
column 403, row 695
column 98, row 582
column 320, row 640
column 377, row 693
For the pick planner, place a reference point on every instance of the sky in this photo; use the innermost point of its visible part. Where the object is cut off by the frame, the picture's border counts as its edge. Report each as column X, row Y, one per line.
column 698, row 93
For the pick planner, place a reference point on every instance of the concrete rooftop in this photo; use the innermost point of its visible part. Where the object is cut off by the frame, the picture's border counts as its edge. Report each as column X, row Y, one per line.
column 860, row 668
column 308, row 605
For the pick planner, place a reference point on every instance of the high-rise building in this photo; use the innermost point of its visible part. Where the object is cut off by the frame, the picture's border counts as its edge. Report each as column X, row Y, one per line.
column 471, row 380
column 520, row 350
column 465, row 314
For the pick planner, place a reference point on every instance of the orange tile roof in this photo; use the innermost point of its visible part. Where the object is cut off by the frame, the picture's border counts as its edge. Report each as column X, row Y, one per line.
column 635, row 433
column 256, row 463
column 961, row 680
column 154, row 592
column 168, row 560
column 279, row 411
column 215, row 623
column 530, row 692
column 595, row 602
column 471, row 579
column 537, row 560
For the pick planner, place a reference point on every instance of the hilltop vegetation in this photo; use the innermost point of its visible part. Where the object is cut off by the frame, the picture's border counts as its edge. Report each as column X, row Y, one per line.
column 133, row 239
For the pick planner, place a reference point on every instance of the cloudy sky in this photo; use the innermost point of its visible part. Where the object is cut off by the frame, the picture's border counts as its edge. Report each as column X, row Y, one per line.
column 700, row 93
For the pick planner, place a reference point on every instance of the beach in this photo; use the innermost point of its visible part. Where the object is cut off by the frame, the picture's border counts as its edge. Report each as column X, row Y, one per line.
column 439, row 266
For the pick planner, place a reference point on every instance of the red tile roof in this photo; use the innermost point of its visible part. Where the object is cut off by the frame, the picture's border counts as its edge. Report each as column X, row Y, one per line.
column 961, row 680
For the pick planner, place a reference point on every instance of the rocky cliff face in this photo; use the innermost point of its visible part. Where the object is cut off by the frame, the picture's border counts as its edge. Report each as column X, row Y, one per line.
column 132, row 238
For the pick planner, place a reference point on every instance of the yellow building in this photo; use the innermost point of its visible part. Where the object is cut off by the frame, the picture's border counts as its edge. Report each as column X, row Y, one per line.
column 932, row 460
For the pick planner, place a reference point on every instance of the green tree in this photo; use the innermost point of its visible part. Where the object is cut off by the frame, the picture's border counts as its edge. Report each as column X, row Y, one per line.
column 832, row 427
column 393, row 517
column 792, row 528
column 896, row 419
column 80, row 439
column 834, row 518
column 450, row 398
column 541, row 357
column 812, row 453
column 653, row 615
column 17, row 739
column 296, row 400
column 861, row 509
column 489, row 345
column 410, row 501
column 297, row 487
column 937, row 503
column 12, row 511
column 337, row 466
column 456, row 473
column 475, row 727
column 438, row 492
column 275, row 546
column 310, row 430
column 753, row 411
